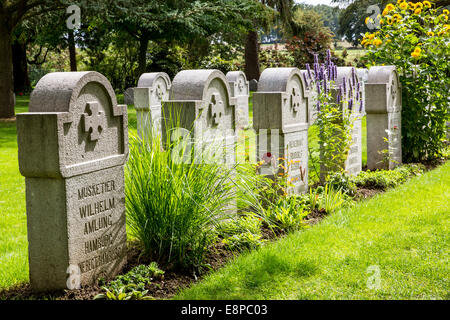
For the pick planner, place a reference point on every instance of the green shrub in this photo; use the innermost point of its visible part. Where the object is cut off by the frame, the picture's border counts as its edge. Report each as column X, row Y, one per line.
column 342, row 181
column 384, row 179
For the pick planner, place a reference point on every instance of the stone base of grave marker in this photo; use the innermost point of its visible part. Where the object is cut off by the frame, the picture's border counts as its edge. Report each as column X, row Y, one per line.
column 82, row 228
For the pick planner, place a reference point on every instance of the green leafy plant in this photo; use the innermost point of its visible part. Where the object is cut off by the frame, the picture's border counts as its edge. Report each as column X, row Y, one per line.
column 342, row 181
column 336, row 113
column 243, row 241
column 286, row 214
column 415, row 39
column 131, row 286
column 384, row 179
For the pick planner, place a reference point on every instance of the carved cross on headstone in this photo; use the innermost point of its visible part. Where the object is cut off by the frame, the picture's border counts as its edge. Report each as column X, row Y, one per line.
column 393, row 92
column 295, row 100
column 159, row 91
column 217, row 109
column 241, row 85
column 95, row 122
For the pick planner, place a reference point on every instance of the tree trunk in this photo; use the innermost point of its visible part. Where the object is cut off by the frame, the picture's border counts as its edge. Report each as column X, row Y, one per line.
column 142, row 59
column 20, row 67
column 72, row 52
column 252, row 56
column 6, row 72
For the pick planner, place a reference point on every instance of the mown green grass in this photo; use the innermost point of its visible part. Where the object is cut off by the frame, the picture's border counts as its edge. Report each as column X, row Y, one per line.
column 404, row 232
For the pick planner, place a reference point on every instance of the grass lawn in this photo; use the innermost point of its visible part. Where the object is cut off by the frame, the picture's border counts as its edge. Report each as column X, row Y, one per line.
column 403, row 232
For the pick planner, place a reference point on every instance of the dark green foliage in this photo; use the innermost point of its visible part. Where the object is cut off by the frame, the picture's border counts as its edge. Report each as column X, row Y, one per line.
column 384, row 179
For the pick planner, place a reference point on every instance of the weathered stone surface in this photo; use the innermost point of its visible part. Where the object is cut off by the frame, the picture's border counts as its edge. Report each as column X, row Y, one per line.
column 128, row 96
column 312, row 94
column 152, row 90
column 280, row 118
column 73, row 144
column 240, row 90
column 383, row 107
column 253, row 85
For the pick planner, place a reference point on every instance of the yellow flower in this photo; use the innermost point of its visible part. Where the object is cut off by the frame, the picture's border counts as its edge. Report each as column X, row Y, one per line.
column 377, row 42
column 389, row 21
column 446, row 12
column 382, row 21
column 403, row 6
column 390, row 7
column 412, row 5
column 397, row 17
column 400, row 1
column 430, row 33
column 427, row 4
column 419, row 4
column 418, row 11
column 367, row 20
column 417, row 49
column 415, row 55
column 385, row 12
column 371, row 36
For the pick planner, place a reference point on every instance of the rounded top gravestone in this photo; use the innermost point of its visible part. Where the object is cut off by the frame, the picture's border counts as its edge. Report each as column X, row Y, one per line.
column 199, row 85
column 290, row 82
column 91, row 128
column 159, row 84
column 384, row 78
column 240, row 84
column 211, row 89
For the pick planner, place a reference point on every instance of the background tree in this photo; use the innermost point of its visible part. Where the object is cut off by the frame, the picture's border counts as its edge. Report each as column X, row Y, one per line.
column 12, row 13
column 262, row 19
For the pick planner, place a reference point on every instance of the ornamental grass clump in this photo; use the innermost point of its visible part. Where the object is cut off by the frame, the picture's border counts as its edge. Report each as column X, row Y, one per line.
column 173, row 205
column 415, row 37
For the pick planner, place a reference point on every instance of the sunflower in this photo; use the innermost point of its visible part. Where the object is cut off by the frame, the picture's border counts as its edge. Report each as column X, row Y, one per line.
column 427, row 4
column 418, row 11
column 377, row 42
column 403, row 6
column 430, row 33
column 446, row 12
column 415, row 54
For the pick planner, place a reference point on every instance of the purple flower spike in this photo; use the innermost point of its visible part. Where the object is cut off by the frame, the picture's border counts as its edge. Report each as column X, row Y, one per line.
column 350, row 104
column 335, row 72
column 338, row 100
column 306, row 80
column 325, row 87
column 361, row 105
column 357, row 95
column 318, row 105
column 316, row 71
column 318, row 88
column 308, row 68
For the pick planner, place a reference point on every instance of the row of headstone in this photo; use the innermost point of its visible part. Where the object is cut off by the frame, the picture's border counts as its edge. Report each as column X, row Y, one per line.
column 73, row 145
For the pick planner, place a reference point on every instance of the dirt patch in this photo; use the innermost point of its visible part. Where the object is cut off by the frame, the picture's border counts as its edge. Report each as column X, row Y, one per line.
column 8, row 120
column 363, row 193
